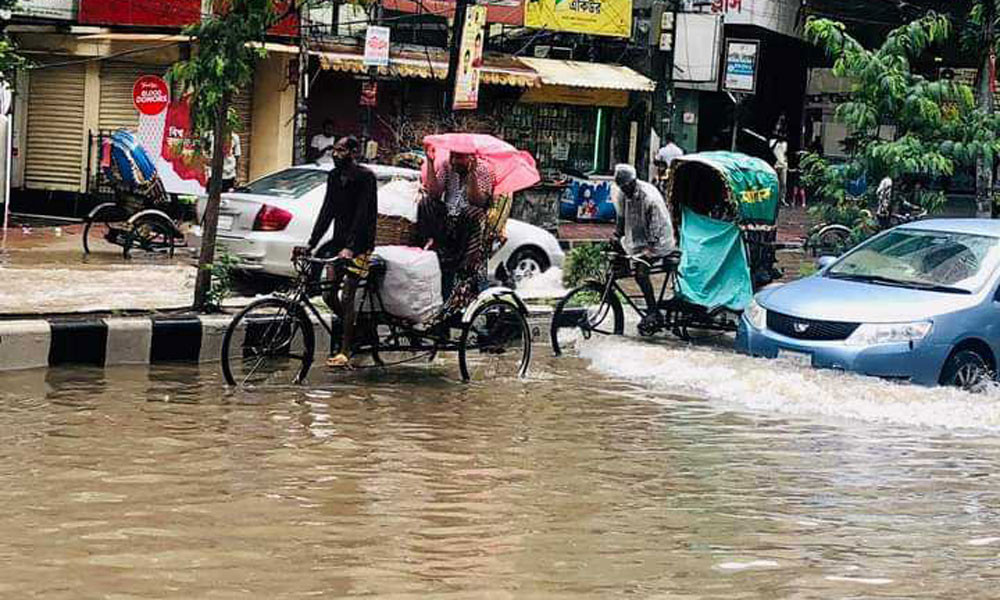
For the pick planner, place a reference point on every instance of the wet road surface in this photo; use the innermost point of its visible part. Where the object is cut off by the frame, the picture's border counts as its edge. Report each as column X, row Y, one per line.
column 699, row 475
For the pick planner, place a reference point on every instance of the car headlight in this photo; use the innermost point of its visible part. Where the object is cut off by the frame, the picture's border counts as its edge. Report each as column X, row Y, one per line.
column 872, row 334
column 756, row 314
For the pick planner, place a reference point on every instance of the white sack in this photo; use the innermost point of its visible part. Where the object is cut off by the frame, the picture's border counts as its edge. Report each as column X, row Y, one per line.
column 412, row 286
column 399, row 199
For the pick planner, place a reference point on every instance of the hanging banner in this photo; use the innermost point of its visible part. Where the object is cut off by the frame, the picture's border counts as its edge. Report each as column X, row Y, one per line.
column 741, row 66
column 594, row 17
column 470, row 58
column 377, row 46
column 369, row 93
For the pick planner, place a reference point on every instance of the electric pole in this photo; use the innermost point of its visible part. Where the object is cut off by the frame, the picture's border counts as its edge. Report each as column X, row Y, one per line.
column 302, row 90
column 987, row 83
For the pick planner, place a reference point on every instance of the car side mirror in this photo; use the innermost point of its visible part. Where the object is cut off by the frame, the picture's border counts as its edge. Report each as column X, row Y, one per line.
column 825, row 261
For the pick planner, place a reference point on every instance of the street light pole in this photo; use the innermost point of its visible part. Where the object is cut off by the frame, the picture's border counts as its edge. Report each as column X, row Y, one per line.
column 302, row 92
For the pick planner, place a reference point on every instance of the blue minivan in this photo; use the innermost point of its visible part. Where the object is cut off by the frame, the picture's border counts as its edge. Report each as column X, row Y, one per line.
column 920, row 303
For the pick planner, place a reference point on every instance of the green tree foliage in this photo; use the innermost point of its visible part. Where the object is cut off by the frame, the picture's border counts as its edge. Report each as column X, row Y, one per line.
column 937, row 125
column 228, row 45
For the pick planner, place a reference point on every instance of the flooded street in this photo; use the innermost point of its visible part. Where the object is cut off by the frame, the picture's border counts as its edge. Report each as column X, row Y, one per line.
column 651, row 472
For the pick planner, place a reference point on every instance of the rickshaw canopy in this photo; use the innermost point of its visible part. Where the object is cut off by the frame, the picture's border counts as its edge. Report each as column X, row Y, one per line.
column 748, row 193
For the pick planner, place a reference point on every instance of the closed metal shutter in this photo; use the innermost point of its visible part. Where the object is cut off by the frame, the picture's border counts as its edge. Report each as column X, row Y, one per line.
column 55, row 129
column 117, row 80
column 243, row 102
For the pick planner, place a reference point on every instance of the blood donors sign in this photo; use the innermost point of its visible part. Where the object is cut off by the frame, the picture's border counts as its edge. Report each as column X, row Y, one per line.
column 150, row 95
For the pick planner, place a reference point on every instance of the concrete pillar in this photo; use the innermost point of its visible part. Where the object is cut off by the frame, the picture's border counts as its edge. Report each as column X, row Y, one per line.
column 273, row 116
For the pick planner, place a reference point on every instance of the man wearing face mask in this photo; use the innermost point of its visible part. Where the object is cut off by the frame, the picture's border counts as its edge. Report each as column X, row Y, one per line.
column 450, row 220
column 351, row 203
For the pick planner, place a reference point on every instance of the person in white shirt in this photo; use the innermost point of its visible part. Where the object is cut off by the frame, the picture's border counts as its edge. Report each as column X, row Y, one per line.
column 322, row 144
column 230, row 162
column 669, row 151
column 665, row 156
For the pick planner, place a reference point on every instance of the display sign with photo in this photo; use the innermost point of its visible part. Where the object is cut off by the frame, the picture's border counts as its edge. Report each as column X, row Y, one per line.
column 469, row 59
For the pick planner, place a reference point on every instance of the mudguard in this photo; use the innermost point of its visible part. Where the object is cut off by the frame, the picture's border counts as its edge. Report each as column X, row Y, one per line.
column 503, row 294
column 93, row 213
column 157, row 213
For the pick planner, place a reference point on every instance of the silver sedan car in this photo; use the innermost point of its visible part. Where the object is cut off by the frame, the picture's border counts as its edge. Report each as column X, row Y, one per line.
column 261, row 222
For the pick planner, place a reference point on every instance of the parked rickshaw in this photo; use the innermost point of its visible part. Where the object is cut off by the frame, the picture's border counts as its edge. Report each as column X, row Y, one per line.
column 725, row 209
column 142, row 218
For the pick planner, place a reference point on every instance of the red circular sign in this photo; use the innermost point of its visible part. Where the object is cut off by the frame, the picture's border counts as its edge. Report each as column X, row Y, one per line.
column 150, row 95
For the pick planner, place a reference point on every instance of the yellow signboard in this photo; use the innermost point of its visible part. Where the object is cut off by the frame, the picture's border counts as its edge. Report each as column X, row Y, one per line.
column 594, row 17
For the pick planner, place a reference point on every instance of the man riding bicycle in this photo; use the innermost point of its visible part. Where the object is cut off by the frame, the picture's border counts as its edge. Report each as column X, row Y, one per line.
column 351, row 203
column 644, row 231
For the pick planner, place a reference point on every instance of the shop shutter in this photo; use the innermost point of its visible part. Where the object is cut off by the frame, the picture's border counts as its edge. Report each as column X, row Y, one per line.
column 55, row 129
column 117, row 81
column 243, row 103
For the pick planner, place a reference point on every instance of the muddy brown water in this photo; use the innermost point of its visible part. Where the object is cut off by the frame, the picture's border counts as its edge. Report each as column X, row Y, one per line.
column 139, row 483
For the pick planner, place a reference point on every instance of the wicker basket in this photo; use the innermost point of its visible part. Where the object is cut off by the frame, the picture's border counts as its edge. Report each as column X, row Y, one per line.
column 394, row 231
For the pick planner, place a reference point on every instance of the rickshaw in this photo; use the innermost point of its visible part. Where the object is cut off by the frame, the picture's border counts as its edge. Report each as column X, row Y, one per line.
column 141, row 219
column 273, row 340
column 725, row 209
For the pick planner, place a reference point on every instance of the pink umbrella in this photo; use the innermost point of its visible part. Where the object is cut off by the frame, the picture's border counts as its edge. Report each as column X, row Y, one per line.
column 514, row 170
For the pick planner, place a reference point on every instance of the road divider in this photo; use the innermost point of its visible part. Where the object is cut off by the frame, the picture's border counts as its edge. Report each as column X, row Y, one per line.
column 111, row 341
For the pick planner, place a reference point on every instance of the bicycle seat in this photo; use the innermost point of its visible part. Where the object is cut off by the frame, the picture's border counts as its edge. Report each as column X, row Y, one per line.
column 673, row 259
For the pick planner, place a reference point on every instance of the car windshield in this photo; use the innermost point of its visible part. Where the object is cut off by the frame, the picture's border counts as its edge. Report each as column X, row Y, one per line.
column 290, row 183
column 959, row 262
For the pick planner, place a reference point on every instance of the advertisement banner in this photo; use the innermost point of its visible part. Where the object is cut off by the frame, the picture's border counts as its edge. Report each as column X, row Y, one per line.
column 470, row 58
column 62, row 10
column 507, row 12
column 150, row 95
column 377, row 46
column 157, row 13
column 741, row 66
column 168, row 137
column 594, row 17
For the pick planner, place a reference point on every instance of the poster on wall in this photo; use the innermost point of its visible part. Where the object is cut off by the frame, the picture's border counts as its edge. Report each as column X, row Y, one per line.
column 469, row 59
column 593, row 17
column 741, row 66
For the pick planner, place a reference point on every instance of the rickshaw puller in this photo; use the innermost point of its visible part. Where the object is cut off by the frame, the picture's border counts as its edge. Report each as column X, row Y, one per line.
column 643, row 229
column 351, row 203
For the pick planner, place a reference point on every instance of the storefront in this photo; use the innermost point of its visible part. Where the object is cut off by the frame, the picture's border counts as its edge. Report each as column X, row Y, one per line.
column 570, row 120
column 73, row 95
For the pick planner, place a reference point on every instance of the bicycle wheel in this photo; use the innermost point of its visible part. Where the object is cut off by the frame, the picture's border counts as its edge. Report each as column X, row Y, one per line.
column 831, row 240
column 97, row 229
column 150, row 235
column 495, row 343
column 270, row 342
column 585, row 311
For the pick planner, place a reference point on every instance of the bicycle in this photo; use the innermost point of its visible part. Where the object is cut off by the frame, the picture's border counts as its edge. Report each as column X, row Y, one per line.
column 272, row 341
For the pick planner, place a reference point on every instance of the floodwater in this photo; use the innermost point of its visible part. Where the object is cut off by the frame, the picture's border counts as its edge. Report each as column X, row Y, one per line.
column 638, row 470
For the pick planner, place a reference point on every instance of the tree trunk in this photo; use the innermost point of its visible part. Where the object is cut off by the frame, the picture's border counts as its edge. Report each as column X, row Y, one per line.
column 210, row 222
column 984, row 170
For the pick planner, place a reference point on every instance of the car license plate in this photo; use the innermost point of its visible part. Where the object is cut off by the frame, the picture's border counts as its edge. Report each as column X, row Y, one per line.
column 226, row 222
column 801, row 359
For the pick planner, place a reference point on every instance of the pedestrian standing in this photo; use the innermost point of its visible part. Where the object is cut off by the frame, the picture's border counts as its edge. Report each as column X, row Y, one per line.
column 321, row 145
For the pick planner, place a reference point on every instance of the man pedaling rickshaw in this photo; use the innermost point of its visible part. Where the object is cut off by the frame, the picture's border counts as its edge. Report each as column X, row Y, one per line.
column 643, row 231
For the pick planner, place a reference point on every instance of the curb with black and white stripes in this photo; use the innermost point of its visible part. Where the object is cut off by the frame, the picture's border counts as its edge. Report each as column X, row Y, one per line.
column 104, row 342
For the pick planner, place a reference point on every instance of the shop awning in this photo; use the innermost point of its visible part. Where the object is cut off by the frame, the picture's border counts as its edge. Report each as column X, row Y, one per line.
column 430, row 64
column 569, row 73
column 150, row 38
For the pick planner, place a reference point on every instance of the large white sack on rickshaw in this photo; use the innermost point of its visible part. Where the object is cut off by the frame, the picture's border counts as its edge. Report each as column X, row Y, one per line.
column 411, row 288
column 399, row 199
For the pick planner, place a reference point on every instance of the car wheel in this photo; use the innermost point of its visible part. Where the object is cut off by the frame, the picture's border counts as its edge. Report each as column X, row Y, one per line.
column 527, row 263
column 967, row 370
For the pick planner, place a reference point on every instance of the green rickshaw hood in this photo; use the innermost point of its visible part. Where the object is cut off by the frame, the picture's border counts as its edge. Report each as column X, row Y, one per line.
column 751, row 184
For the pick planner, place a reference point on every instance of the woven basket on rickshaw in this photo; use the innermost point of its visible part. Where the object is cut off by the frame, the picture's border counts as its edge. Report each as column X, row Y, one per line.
column 394, row 231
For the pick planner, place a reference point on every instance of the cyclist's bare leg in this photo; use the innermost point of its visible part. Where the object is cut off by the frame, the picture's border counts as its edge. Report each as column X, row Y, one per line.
column 349, row 316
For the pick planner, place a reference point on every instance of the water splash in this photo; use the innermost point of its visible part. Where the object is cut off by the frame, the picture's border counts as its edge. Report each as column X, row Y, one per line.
column 778, row 387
